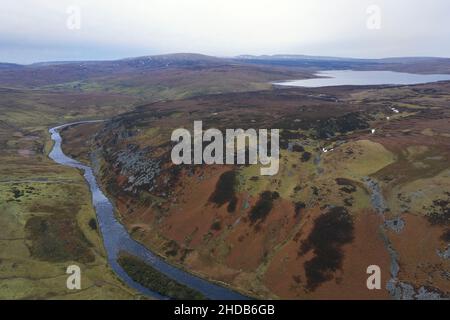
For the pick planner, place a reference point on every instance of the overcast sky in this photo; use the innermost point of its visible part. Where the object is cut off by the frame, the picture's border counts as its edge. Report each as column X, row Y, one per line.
column 48, row 30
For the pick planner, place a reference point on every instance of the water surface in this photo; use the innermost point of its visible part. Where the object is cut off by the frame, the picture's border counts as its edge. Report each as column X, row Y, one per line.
column 350, row 77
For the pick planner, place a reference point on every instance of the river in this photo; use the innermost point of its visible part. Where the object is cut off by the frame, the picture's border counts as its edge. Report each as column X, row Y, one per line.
column 116, row 238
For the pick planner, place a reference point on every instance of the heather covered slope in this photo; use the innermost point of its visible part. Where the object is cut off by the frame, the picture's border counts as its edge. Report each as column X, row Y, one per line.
column 311, row 230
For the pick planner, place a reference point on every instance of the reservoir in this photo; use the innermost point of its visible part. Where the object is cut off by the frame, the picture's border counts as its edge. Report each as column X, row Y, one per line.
column 360, row 78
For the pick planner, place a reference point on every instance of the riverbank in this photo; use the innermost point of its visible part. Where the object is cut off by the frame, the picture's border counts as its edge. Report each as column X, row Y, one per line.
column 117, row 239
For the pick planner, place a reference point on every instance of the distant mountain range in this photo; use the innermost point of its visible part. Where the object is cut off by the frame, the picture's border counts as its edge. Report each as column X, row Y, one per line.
column 146, row 69
column 330, row 58
column 186, row 58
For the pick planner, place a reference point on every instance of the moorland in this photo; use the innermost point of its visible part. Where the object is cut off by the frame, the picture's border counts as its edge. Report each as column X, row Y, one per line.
column 364, row 177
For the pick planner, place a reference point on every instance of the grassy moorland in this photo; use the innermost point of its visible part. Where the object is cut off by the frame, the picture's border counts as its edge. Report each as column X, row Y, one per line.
column 46, row 216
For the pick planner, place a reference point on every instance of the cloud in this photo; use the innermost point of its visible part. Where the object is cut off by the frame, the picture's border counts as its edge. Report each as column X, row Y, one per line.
column 37, row 29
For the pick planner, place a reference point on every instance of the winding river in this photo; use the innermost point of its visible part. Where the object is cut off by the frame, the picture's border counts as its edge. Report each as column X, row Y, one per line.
column 116, row 238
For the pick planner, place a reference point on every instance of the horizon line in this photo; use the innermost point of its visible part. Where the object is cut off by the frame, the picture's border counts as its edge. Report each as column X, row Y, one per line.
column 242, row 56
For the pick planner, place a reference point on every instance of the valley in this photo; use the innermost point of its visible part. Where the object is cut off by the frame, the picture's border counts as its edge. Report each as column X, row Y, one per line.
column 378, row 195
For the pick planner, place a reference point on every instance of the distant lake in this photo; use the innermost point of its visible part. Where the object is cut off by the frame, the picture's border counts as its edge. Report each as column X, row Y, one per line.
column 350, row 77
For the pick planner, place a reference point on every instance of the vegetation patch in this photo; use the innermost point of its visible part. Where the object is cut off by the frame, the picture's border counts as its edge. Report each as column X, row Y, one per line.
column 232, row 204
column 331, row 231
column 446, row 236
column 346, row 123
column 347, row 185
column 172, row 248
column 298, row 148
column 440, row 214
column 299, row 206
column 306, row 156
column 93, row 224
column 216, row 225
column 225, row 191
column 57, row 239
column 152, row 279
column 263, row 207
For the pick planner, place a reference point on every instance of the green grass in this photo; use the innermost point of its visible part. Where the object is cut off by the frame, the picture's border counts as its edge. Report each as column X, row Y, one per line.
column 45, row 208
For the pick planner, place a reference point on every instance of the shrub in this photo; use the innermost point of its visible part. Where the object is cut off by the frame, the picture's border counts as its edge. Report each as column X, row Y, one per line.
column 306, row 156
column 225, row 189
column 264, row 205
column 232, row 204
column 446, row 236
column 151, row 278
column 331, row 230
column 441, row 212
column 299, row 206
column 93, row 224
column 297, row 148
column 216, row 226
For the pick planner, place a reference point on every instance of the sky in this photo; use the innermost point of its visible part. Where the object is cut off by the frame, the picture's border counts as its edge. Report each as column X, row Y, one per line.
column 62, row 30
